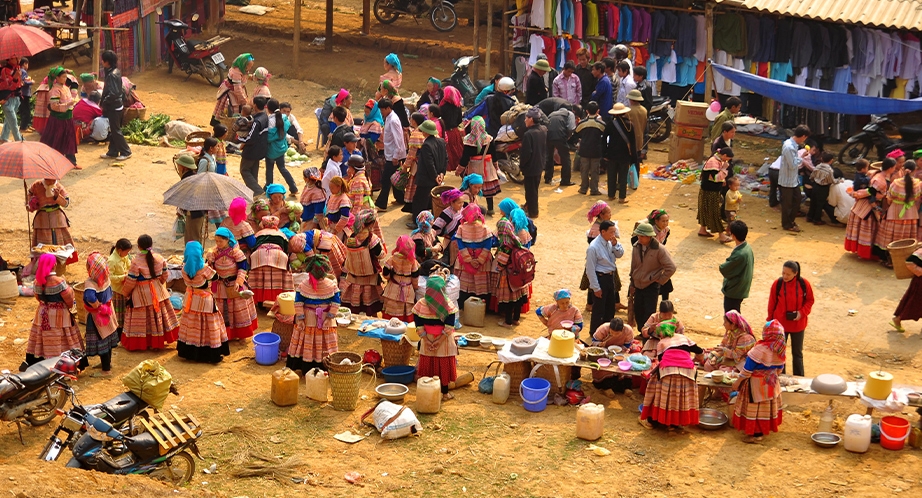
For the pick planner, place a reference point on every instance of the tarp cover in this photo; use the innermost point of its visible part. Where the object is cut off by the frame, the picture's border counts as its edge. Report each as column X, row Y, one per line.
column 816, row 99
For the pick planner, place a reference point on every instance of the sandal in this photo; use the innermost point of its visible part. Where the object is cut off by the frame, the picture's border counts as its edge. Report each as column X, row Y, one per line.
column 896, row 327
column 709, row 235
column 644, row 423
column 502, row 323
column 448, row 397
column 752, row 440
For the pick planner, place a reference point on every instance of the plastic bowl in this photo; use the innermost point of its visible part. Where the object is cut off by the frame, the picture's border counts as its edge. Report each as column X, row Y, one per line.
column 624, row 365
column 710, row 419
column 401, row 374
column 566, row 324
column 499, row 343
column 615, row 349
column 392, row 392
column 604, row 362
column 826, row 439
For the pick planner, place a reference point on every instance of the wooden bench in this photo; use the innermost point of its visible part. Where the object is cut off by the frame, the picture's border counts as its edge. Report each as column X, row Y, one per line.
column 79, row 47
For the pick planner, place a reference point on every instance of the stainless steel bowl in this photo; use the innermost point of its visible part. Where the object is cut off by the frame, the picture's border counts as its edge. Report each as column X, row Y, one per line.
column 826, row 439
column 392, row 392
column 710, row 419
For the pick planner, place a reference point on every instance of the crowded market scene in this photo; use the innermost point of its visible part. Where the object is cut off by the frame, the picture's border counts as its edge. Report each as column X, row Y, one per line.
column 678, row 237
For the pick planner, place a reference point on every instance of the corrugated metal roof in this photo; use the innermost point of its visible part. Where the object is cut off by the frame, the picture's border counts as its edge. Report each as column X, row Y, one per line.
column 896, row 14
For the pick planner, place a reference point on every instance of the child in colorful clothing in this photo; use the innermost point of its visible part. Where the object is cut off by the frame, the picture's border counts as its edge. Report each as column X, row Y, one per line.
column 401, row 270
column 758, row 405
column 737, row 342
column 118, row 264
column 413, row 145
column 261, row 76
column 434, row 315
column 313, row 199
column 232, row 298
column 475, row 254
column 54, row 330
column 269, row 275
column 298, row 253
column 236, row 222
column 219, row 132
column 101, row 322
column 315, row 333
column 425, row 240
column 553, row 315
column 338, row 208
column 447, row 223
column 510, row 300
column 359, row 186
column 475, row 160
column 202, row 335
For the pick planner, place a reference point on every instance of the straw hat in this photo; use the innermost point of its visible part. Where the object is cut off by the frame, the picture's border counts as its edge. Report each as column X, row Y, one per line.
column 619, row 108
column 635, row 95
column 542, row 65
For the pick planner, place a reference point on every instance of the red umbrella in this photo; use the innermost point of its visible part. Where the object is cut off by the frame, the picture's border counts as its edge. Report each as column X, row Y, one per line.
column 32, row 160
column 17, row 40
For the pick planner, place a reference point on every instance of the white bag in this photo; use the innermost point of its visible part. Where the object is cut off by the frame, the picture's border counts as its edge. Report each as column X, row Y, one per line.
column 178, row 130
column 394, row 421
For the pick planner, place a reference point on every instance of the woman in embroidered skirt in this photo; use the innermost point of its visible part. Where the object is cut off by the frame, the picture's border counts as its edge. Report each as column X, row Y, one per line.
column 553, row 315
column 236, row 222
column 863, row 219
column 910, row 307
column 758, row 406
column 510, row 300
column 150, row 322
column 425, row 240
column 233, row 300
column 338, row 208
column 118, row 264
column 712, row 179
column 59, row 133
column 902, row 218
column 361, row 285
column 316, row 303
column 475, row 160
column 475, row 255
column 650, row 332
column 101, row 323
column 54, row 328
column 451, row 106
column 269, row 275
column 738, row 340
column 671, row 398
column 202, row 335
column 313, row 200
column 47, row 199
column 434, row 315
column 232, row 94
column 447, row 223
column 401, row 270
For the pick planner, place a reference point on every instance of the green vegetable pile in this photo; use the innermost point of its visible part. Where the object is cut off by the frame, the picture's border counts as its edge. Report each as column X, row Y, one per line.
column 146, row 132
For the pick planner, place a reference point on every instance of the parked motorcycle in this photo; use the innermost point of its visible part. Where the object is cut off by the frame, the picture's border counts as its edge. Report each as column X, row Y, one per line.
column 659, row 119
column 441, row 13
column 461, row 80
column 875, row 135
column 194, row 57
column 33, row 396
column 506, row 158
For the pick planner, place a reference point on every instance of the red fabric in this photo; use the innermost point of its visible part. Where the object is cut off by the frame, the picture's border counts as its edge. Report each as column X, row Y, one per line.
column 752, row 427
column 150, row 341
column 670, row 417
column 575, row 45
column 86, row 112
column 642, row 55
column 863, row 252
column 405, row 318
column 445, row 368
column 550, row 49
column 762, row 69
column 242, row 332
column 791, row 298
column 263, row 295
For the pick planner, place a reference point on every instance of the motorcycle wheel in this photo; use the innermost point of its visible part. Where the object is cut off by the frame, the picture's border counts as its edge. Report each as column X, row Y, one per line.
column 851, row 153
column 659, row 132
column 385, row 11
column 178, row 470
column 46, row 412
column 443, row 17
column 211, row 72
column 510, row 166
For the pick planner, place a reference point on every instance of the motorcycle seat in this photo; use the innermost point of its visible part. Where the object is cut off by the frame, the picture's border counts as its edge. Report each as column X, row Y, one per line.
column 38, row 374
column 659, row 99
column 123, row 407
column 144, row 445
column 911, row 132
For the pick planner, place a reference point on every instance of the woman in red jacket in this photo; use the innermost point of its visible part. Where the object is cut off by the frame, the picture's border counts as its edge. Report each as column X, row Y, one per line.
column 790, row 302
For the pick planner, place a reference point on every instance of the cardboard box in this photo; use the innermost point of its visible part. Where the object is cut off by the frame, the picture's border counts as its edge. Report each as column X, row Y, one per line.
column 684, row 148
column 691, row 113
column 690, row 132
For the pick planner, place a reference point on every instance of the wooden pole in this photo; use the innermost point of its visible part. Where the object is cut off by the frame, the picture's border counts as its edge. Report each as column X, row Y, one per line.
column 489, row 50
column 474, row 65
column 212, row 21
column 75, row 33
column 97, row 39
column 296, row 43
column 708, row 49
column 504, row 39
column 143, row 49
column 366, row 17
column 328, row 45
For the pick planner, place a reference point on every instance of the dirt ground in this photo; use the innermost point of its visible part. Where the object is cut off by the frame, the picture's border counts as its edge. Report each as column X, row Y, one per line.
column 474, row 447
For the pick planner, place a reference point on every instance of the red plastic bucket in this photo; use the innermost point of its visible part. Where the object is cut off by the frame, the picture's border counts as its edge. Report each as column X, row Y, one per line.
column 893, row 432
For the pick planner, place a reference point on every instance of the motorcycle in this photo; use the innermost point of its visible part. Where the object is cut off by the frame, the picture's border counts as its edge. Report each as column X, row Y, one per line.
column 35, row 395
column 191, row 56
column 659, row 119
column 875, row 135
column 163, row 454
column 507, row 160
column 461, row 80
column 441, row 13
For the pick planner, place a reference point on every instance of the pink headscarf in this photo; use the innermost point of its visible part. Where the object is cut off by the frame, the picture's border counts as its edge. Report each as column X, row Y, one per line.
column 237, row 210
column 406, row 247
column 46, row 263
column 472, row 213
column 452, row 96
column 596, row 210
column 342, row 96
column 896, row 153
column 450, row 196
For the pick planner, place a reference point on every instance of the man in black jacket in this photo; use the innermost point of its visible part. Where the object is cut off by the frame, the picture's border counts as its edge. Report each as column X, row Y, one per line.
column 561, row 124
column 591, row 133
column 113, row 95
column 532, row 157
column 431, row 162
column 535, row 87
column 498, row 102
column 584, row 72
column 255, row 147
column 621, row 152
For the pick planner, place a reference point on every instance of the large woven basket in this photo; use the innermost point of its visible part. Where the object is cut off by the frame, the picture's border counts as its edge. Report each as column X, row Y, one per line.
column 396, row 353
column 558, row 378
column 78, row 297
column 283, row 330
column 331, row 362
column 134, row 113
column 345, row 389
column 196, row 138
column 436, row 194
column 518, row 371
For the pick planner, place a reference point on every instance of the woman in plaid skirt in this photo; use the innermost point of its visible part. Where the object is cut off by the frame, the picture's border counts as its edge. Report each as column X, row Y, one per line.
column 434, row 315
column 233, row 299
column 475, row 254
column 902, row 218
column 269, row 275
column 362, row 284
column 316, row 302
column 118, row 263
column 47, row 199
column 101, row 323
column 401, row 270
column 54, row 328
column 671, row 398
column 758, row 405
column 150, row 322
column 863, row 223
column 510, row 300
column 414, row 142
column 202, row 335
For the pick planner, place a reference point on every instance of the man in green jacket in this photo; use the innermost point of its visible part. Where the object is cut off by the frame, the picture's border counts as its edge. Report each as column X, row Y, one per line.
column 737, row 269
column 731, row 108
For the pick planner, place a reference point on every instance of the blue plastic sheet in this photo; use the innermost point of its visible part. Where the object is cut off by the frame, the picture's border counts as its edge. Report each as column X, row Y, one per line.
column 815, row 99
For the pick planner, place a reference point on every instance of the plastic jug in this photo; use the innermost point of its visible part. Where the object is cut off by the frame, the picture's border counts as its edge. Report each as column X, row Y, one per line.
column 826, row 419
column 285, row 387
column 858, row 433
column 501, row 388
column 318, row 383
column 8, row 287
column 475, row 310
column 590, row 420
column 428, row 395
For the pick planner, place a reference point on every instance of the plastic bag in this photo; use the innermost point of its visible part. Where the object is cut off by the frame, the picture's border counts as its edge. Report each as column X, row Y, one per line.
column 633, row 180
column 150, row 382
column 179, row 228
column 395, row 421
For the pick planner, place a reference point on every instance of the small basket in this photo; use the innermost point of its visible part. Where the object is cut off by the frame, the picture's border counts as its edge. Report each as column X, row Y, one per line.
column 900, row 250
column 557, row 375
column 228, row 121
column 518, row 371
column 283, row 330
column 396, row 353
column 331, row 362
column 134, row 113
column 78, row 297
column 197, row 138
column 436, row 194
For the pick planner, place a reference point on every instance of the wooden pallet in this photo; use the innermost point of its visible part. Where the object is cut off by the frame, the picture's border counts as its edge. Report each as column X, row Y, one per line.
column 161, row 427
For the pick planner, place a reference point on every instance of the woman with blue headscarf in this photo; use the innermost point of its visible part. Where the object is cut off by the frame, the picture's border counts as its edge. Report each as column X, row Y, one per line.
column 202, row 335
column 393, row 70
column 510, row 300
column 373, row 126
column 232, row 297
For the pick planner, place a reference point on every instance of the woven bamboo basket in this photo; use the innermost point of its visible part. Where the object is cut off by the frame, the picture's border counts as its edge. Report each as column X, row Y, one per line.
column 396, row 353
column 196, row 138
column 518, row 371
column 345, row 389
column 436, row 194
column 228, row 121
column 557, row 379
column 78, row 297
column 332, row 362
column 284, row 331
column 134, row 113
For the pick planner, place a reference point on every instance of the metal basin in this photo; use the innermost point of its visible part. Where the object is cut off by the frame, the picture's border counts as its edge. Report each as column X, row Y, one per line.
column 710, row 419
column 826, row 439
column 392, row 392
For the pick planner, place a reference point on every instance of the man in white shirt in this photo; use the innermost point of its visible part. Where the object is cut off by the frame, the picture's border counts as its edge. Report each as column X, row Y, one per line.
column 627, row 82
column 296, row 132
column 395, row 151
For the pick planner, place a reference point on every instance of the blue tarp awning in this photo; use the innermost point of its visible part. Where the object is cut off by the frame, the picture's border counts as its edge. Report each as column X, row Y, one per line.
column 816, row 99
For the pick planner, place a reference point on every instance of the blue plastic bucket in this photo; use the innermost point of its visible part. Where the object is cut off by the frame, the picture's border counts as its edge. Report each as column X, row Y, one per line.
column 401, row 374
column 534, row 391
column 267, row 348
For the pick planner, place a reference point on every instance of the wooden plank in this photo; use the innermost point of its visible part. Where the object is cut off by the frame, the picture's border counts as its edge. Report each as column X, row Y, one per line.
column 198, row 425
column 169, row 425
column 366, row 17
column 328, row 43
column 475, row 67
column 709, row 50
column 504, row 42
column 182, row 424
column 154, row 433
column 164, row 432
column 489, row 50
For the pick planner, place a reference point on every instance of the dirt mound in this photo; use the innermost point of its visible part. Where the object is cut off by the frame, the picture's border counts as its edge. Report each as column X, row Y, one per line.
column 53, row 479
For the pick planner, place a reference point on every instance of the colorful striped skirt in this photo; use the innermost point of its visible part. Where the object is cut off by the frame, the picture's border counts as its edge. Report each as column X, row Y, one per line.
column 860, row 234
column 394, row 308
column 477, row 283
column 358, row 295
column 96, row 345
column 119, row 303
column 754, row 418
column 146, row 327
column 671, row 400
column 312, row 344
column 443, row 367
column 239, row 316
column 893, row 230
column 709, row 211
column 267, row 282
column 499, row 287
column 202, row 337
column 54, row 331
column 410, row 191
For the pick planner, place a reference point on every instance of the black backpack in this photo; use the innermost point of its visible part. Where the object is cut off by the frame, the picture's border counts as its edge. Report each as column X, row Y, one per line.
column 803, row 289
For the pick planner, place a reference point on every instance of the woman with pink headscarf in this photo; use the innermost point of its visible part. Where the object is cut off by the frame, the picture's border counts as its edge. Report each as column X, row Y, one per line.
column 236, row 222
column 475, row 257
column 54, row 328
column 451, row 106
column 447, row 223
column 401, row 271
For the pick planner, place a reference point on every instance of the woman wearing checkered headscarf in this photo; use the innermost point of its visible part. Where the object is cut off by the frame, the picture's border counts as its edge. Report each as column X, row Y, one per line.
column 758, row 405
column 101, row 321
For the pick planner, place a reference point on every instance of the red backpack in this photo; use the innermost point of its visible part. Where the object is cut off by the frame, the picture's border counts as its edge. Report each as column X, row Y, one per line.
column 521, row 269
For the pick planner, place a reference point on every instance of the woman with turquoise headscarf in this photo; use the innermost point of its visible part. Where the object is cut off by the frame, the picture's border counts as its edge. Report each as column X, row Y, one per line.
column 373, row 127
column 202, row 335
column 511, row 301
column 232, row 297
column 232, row 94
column 393, row 70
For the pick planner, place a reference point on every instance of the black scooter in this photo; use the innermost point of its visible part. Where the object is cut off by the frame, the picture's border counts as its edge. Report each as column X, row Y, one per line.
column 35, row 395
column 461, row 79
column 441, row 14
column 875, row 135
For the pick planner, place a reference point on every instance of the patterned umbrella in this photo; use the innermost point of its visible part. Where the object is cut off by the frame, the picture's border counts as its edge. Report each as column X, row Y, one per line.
column 17, row 40
column 206, row 192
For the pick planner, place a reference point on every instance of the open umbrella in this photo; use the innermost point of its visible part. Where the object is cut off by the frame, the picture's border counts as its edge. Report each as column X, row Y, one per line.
column 206, row 192
column 26, row 160
column 17, row 40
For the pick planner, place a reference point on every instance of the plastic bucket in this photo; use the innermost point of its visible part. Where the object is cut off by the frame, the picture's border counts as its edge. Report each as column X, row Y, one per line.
column 893, row 432
column 534, row 391
column 267, row 348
